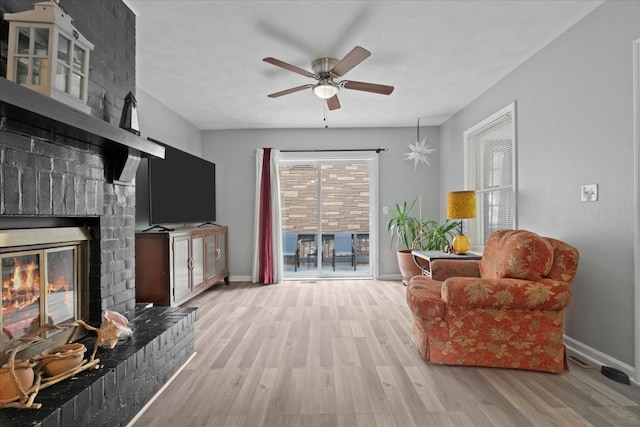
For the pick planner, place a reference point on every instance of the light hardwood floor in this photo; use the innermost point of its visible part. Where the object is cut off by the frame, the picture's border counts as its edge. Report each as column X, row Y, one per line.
column 339, row 353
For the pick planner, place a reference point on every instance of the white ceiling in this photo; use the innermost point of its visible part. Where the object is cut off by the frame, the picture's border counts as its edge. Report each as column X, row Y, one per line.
column 203, row 59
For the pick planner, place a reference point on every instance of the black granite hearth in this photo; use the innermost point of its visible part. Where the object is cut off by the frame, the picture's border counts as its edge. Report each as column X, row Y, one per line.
column 129, row 375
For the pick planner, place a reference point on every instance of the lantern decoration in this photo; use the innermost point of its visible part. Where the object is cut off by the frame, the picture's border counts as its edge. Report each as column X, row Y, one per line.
column 48, row 55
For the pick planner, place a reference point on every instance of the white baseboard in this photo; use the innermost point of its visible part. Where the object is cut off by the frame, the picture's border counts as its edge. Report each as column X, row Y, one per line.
column 155, row 396
column 390, row 277
column 599, row 358
column 380, row 277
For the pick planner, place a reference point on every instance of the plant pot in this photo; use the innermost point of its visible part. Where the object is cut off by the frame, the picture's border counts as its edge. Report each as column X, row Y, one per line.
column 58, row 360
column 408, row 267
column 23, row 370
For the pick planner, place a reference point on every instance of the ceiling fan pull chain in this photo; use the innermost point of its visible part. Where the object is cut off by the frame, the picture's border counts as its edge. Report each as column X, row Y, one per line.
column 326, row 123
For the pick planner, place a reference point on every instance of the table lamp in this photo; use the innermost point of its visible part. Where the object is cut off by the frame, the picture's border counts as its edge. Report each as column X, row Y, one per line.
column 460, row 205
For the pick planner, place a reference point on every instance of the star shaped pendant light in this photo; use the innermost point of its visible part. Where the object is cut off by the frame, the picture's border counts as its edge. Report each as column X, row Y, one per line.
column 419, row 150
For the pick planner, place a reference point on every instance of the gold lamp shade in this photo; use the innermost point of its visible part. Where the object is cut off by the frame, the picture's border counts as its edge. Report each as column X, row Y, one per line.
column 461, row 204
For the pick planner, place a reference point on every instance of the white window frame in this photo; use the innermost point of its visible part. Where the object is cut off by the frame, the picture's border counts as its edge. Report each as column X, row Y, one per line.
column 471, row 157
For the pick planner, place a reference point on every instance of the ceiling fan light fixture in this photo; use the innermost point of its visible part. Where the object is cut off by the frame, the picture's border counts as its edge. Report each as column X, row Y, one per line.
column 325, row 89
column 326, row 71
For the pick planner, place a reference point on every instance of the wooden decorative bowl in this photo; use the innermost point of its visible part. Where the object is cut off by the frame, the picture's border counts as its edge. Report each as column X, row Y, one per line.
column 24, row 375
column 61, row 359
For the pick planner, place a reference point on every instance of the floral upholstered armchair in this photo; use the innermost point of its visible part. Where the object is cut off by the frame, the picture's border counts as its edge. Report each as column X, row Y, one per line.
column 506, row 310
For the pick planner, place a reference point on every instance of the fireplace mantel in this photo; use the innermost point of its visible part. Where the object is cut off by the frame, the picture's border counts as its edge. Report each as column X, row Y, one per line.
column 24, row 105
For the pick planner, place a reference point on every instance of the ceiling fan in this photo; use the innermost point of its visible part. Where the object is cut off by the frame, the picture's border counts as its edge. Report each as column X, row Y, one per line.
column 326, row 71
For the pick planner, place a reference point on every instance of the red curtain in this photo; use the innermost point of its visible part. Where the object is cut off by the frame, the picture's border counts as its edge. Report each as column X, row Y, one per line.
column 265, row 242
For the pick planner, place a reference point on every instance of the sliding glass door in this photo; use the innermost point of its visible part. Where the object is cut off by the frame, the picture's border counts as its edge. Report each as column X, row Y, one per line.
column 327, row 222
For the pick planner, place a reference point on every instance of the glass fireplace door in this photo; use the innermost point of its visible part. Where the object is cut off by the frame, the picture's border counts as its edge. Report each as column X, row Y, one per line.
column 38, row 287
column 61, row 285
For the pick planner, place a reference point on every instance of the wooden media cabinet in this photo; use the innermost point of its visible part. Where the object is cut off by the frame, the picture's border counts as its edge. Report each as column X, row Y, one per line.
column 173, row 266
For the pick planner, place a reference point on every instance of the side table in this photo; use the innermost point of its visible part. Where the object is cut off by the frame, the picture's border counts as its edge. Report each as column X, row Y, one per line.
column 423, row 259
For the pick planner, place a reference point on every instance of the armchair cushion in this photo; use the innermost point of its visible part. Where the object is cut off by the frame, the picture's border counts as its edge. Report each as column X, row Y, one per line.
column 517, row 254
column 565, row 262
column 424, row 298
column 543, row 294
column 443, row 268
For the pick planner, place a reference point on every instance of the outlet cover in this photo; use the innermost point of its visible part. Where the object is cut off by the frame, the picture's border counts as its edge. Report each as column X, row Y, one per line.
column 589, row 193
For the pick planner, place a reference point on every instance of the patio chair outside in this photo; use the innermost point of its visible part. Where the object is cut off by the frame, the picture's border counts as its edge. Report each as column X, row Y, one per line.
column 343, row 247
column 290, row 249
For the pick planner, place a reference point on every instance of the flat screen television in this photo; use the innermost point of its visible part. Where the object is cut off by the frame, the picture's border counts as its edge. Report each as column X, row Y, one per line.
column 182, row 188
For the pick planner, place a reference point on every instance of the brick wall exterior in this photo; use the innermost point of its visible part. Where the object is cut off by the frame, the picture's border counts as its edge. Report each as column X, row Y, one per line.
column 345, row 198
column 345, row 204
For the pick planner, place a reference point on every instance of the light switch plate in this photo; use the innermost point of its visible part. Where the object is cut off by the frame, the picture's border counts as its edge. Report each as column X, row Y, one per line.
column 589, row 193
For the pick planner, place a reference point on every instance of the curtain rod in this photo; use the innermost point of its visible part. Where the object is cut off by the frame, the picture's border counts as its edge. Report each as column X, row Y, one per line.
column 377, row 150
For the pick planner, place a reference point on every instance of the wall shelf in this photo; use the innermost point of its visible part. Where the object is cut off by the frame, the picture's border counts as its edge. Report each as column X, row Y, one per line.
column 25, row 105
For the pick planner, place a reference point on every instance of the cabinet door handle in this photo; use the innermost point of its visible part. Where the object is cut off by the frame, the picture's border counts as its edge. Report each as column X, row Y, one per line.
column 190, row 263
column 219, row 252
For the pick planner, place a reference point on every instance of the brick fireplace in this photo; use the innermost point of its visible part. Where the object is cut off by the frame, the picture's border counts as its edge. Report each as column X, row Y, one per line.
column 63, row 168
column 53, row 174
column 54, row 181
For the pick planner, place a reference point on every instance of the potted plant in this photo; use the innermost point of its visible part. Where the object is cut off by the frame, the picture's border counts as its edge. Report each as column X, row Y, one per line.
column 410, row 233
column 404, row 229
column 433, row 235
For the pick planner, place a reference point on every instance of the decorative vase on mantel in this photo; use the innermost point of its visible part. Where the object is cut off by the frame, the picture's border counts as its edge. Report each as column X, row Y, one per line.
column 16, row 379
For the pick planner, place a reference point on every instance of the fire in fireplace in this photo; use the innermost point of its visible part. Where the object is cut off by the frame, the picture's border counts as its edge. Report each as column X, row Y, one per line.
column 44, row 278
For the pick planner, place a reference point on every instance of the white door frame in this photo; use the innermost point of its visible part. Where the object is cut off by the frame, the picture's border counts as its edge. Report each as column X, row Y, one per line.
column 339, row 156
column 636, row 225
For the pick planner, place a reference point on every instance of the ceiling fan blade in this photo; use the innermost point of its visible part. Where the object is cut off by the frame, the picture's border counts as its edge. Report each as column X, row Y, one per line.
column 353, row 58
column 288, row 91
column 286, row 66
column 368, row 87
column 333, row 103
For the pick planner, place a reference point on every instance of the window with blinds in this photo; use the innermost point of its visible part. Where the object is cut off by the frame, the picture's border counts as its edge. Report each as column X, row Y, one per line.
column 490, row 170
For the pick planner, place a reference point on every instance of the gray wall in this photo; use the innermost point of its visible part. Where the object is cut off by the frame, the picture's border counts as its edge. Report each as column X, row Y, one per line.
column 160, row 122
column 233, row 153
column 575, row 126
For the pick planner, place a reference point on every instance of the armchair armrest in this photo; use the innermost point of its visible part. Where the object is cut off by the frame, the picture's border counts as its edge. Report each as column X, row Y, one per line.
column 543, row 294
column 442, row 269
